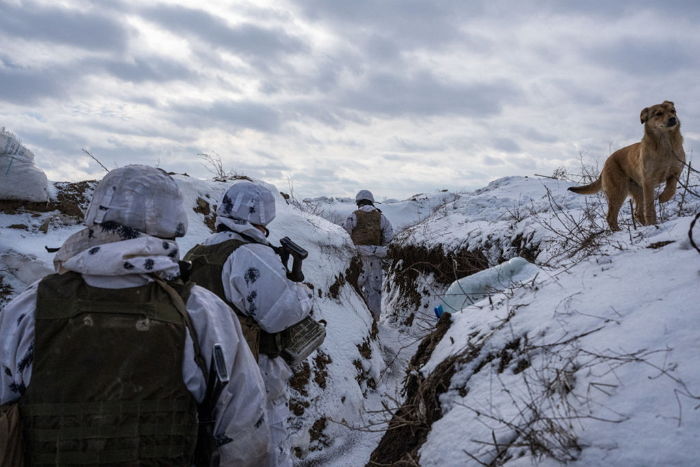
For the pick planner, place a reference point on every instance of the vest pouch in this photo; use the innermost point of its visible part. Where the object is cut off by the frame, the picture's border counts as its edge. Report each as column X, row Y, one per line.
column 251, row 333
column 300, row 340
column 11, row 445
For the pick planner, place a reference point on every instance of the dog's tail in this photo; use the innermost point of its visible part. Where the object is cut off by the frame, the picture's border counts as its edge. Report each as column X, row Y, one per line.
column 589, row 189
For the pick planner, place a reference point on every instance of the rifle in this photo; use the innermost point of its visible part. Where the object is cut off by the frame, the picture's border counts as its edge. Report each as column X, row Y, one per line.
column 286, row 249
column 299, row 340
column 206, row 451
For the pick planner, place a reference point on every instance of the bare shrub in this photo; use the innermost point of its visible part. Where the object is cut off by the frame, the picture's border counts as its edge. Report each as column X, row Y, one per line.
column 214, row 164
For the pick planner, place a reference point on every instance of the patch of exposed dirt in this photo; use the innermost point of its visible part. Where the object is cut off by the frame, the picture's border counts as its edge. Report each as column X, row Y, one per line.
column 204, row 208
column 411, row 424
column 350, row 276
column 365, row 349
column 334, row 289
column 374, row 331
column 319, row 439
column 353, row 273
column 658, row 245
column 364, row 378
column 300, row 380
column 428, row 344
column 298, row 406
column 410, row 261
column 409, row 427
column 321, row 362
column 72, row 199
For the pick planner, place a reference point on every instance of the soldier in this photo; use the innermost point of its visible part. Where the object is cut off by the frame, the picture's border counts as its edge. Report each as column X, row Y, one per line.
column 109, row 358
column 240, row 265
column 371, row 232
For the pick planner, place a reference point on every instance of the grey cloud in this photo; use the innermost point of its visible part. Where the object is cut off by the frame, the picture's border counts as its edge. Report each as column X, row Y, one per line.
column 41, row 141
column 397, row 157
column 644, row 54
column 146, row 69
column 574, row 92
column 423, row 94
column 86, row 30
column 505, row 144
column 419, row 146
column 488, row 160
column 322, row 111
column 617, row 9
column 26, row 86
column 535, row 135
column 414, row 22
column 245, row 39
column 29, row 85
column 237, row 114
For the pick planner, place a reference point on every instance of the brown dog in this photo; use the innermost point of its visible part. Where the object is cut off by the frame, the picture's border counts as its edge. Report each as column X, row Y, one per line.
column 638, row 169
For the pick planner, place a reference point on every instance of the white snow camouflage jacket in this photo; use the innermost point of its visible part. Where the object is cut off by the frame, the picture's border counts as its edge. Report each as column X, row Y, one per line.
column 241, row 405
column 255, row 281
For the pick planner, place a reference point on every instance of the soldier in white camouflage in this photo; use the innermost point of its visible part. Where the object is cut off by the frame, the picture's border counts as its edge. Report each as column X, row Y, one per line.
column 110, row 358
column 371, row 232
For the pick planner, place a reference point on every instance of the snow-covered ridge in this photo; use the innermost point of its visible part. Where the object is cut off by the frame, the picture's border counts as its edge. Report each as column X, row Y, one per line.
column 590, row 363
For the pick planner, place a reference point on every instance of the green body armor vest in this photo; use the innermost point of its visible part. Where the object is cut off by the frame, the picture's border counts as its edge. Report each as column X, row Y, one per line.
column 207, row 266
column 106, row 384
column 368, row 230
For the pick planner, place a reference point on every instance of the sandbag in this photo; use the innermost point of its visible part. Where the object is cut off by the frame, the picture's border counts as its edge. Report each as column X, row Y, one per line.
column 20, row 179
column 11, row 449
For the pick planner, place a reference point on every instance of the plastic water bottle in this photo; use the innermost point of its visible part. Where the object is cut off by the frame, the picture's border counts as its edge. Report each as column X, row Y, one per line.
column 471, row 289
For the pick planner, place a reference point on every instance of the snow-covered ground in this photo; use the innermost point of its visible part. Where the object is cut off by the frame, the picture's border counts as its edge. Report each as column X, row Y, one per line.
column 592, row 362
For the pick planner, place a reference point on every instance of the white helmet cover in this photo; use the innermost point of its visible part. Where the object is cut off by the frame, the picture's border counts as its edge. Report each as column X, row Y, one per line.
column 141, row 197
column 364, row 195
column 248, row 201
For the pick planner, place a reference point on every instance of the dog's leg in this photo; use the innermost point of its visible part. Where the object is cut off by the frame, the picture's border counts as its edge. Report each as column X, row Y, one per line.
column 615, row 189
column 649, row 209
column 669, row 189
column 613, row 211
column 638, row 197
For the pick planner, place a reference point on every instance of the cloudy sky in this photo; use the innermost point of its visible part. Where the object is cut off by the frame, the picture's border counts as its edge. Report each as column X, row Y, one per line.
column 398, row 96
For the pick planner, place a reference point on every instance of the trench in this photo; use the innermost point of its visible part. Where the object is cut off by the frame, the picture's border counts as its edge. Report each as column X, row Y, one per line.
column 409, row 265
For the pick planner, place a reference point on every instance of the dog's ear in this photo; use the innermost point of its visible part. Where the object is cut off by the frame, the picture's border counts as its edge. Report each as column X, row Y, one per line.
column 644, row 116
column 669, row 103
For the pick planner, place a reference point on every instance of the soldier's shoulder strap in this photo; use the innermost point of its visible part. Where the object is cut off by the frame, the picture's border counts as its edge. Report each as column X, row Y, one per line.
column 179, row 292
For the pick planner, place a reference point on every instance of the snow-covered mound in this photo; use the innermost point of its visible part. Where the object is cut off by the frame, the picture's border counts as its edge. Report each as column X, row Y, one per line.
column 20, row 179
column 593, row 365
column 593, row 362
column 334, row 383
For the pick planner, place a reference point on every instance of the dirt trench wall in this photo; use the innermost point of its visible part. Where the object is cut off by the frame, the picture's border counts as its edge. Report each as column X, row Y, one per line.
column 416, row 276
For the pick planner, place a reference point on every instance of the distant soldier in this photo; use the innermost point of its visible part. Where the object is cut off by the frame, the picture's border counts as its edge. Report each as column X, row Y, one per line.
column 111, row 359
column 371, row 232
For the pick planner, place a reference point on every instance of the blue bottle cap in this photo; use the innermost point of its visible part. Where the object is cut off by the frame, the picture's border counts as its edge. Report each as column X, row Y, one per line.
column 438, row 311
